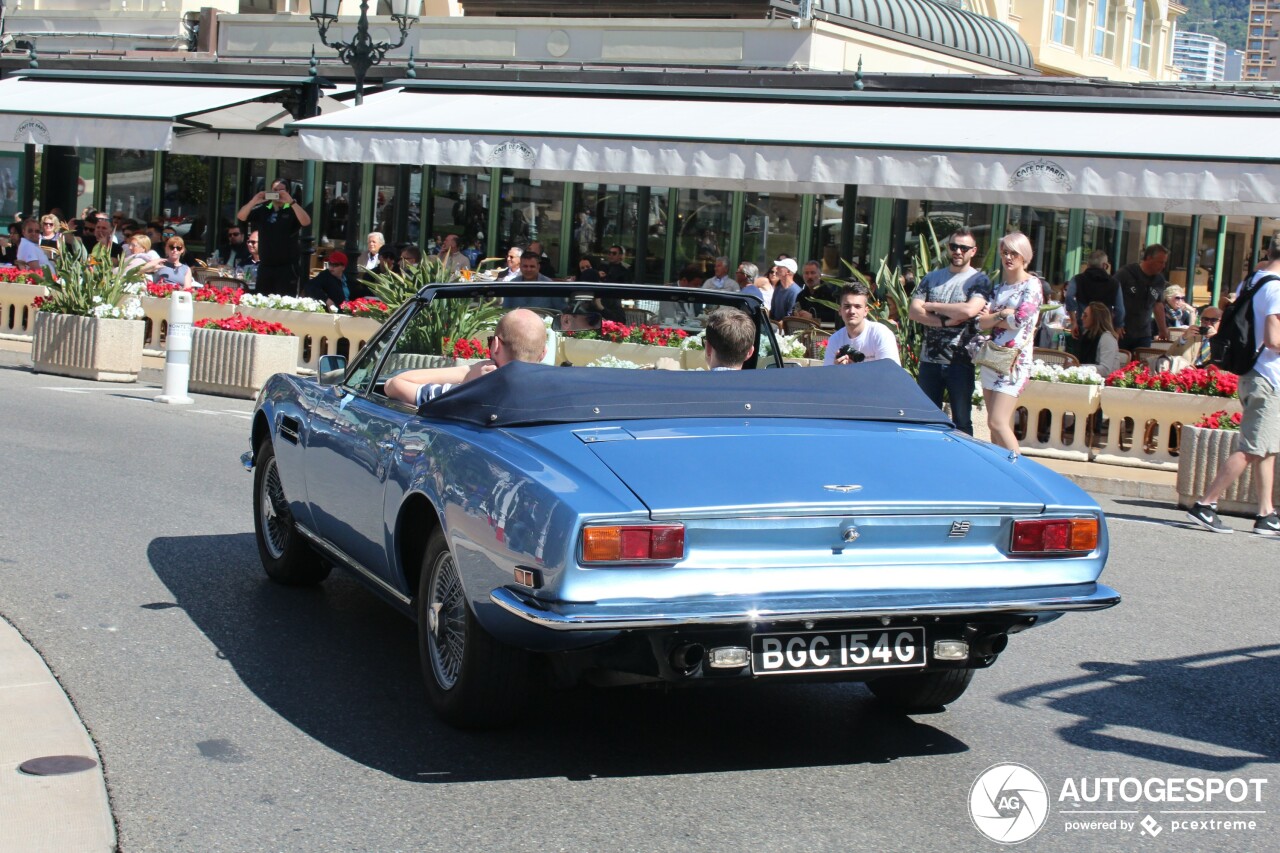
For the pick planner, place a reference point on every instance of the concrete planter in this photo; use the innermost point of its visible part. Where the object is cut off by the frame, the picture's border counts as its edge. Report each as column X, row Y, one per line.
column 1201, row 453
column 1156, row 415
column 238, row 364
column 17, row 309
column 156, row 309
column 1059, row 399
column 317, row 330
column 357, row 331
column 693, row 359
column 582, row 352
column 87, row 347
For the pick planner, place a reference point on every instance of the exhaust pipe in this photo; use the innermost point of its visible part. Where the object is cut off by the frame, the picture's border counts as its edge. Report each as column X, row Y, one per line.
column 990, row 645
column 686, row 658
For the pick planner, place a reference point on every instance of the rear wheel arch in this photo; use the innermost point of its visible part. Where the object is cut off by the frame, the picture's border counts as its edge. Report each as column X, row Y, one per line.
column 417, row 520
column 261, row 430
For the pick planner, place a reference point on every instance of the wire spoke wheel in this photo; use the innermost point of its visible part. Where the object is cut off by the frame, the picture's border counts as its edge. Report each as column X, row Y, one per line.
column 447, row 628
column 276, row 521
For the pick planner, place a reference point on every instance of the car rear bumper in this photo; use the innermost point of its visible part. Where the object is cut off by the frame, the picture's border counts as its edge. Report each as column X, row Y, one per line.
column 605, row 616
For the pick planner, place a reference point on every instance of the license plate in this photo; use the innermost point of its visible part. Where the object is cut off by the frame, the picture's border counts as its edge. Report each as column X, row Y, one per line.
column 835, row 651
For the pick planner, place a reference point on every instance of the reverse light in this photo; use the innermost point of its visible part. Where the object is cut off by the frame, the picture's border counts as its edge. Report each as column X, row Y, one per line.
column 633, row 543
column 1055, row 536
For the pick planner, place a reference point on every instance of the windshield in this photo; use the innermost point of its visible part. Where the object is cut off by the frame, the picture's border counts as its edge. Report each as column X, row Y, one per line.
column 621, row 326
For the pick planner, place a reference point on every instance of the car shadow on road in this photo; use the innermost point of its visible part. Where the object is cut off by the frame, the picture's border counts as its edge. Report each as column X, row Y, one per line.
column 341, row 666
column 1209, row 711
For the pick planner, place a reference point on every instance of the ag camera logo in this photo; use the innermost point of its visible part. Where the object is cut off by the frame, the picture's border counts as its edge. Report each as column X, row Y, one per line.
column 1009, row 803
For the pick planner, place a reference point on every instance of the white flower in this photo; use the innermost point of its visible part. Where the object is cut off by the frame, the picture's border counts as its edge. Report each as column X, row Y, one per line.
column 693, row 341
column 284, row 303
column 613, row 361
column 97, row 300
column 1077, row 375
column 132, row 310
column 789, row 345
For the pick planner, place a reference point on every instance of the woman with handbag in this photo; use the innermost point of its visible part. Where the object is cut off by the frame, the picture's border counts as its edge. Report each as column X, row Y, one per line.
column 1010, row 319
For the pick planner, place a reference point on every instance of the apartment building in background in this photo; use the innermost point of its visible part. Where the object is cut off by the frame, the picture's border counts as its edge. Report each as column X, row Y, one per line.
column 1261, row 43
column 1201, row 57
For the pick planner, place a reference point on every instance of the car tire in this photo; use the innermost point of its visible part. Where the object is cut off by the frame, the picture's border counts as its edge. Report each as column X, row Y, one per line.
column 925, row 691
column 286, row 556
column 473, row 681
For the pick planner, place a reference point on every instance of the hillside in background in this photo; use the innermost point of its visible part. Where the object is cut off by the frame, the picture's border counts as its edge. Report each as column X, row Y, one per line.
column 1226, row 19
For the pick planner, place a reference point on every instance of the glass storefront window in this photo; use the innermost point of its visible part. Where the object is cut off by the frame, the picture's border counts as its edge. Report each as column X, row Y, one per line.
column 704, row 228
column 459, row 205
column 385, row 181
column 340, row 203
column 1046, row 228
column 606, row 215
column 770, row 227
column 128, row 183
column 531, row 210
column 257, row 178
column 186, row 197
column 414, row 214
column 295, row 172
column 938, row 220
column 828, row 234
column 85, row 187
column 229, row 200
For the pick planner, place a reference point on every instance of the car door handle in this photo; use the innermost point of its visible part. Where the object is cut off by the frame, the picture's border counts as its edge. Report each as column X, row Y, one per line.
column 386, row 445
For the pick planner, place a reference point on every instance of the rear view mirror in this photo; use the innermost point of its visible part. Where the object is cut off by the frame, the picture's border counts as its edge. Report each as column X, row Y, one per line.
column 331, row 369
column 577, row 322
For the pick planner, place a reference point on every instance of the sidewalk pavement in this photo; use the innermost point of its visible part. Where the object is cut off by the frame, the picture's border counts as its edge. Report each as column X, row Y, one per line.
column 71, row 814
column 63, row 812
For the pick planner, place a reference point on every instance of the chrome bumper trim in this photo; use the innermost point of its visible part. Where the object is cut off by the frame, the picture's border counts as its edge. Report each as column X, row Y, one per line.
column 246, row 459
column 595, row 616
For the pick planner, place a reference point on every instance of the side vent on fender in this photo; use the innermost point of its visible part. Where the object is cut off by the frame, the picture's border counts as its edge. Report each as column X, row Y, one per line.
column 289, row 429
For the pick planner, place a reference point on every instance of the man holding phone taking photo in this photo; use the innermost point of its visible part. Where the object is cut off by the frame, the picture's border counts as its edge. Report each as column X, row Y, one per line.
column 277, row 219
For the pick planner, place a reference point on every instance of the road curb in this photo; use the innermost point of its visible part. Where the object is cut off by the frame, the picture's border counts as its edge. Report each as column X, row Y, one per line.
column 67, row 813
column 1117, row 488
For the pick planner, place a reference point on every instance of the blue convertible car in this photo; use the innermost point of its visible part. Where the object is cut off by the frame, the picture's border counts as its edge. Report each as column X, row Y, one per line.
column 679, row 526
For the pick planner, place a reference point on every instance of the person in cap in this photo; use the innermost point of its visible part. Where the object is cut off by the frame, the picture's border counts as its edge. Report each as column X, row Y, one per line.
column 328, row 286
column 786, row 292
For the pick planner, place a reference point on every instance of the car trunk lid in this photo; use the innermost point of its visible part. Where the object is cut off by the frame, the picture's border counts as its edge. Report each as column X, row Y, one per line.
column 773, row 468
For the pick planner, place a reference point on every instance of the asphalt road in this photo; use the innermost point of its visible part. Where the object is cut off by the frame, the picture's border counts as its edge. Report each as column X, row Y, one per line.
column 235, row 715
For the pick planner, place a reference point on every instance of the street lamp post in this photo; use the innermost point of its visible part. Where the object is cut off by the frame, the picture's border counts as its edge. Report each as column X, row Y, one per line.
column 362, row 52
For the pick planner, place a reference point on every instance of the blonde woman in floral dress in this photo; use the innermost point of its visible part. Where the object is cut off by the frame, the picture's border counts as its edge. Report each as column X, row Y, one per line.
column 1010, row 318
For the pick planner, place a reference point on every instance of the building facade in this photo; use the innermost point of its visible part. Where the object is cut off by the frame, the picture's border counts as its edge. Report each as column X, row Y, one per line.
column 1202, row 58
column 1261, row 50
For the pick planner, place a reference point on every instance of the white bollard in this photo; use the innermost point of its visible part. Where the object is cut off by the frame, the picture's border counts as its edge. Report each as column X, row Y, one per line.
column 177, row 356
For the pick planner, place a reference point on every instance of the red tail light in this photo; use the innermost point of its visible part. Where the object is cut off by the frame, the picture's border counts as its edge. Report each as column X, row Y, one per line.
column 1055, row 536
column 633, row 543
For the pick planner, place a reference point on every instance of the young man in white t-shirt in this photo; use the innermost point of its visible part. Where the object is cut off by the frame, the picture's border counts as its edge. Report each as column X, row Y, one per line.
column 1260, row 423
column 860, row 339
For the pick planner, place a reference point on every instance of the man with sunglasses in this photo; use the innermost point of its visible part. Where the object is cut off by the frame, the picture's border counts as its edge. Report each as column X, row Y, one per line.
column 519, row 336
column 945, row 303
column 235, row 253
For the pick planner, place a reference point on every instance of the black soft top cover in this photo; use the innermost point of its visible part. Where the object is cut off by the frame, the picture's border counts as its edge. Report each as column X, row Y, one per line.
column 527, row 394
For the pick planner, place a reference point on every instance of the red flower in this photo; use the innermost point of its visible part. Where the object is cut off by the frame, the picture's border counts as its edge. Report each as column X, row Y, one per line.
column 243, row 323
column 365, row 306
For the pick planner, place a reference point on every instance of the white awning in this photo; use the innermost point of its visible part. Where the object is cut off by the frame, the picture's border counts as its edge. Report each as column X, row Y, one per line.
column 141, row 116
column 1190, row 161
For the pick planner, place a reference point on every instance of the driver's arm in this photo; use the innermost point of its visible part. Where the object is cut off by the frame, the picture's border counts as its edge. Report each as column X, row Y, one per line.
column 404, row 386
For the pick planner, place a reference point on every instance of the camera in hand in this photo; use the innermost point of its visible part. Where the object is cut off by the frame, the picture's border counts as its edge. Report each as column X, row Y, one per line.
column 1203, row 330
column 854, row 355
